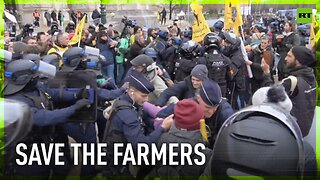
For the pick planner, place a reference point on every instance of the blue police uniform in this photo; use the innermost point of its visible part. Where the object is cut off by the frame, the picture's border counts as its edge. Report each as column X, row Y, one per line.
column 210, row 93
column 45, row 126
column 127, row 123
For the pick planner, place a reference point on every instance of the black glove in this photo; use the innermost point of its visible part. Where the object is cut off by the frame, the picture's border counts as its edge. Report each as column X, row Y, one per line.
column 83, row 94
column 81, row 104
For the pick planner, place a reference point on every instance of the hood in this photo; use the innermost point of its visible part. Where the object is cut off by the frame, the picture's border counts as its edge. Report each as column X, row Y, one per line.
column 305, row 72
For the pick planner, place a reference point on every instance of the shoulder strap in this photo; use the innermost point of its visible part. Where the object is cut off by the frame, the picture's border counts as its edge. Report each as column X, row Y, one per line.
column 294, row 82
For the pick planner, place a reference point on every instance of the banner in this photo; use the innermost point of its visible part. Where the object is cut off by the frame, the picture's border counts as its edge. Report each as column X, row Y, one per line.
column 200, row 26
column 312, row 40
column 78, row 33
column 232, row 16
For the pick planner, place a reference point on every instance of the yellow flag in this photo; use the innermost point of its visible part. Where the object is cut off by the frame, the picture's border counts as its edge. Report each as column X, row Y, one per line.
column 200, row 26
column 232, row 16
column 78, row 33
column 312, row 40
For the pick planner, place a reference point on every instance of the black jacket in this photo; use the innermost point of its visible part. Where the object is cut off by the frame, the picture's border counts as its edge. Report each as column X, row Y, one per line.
column 182, row 90
column 303, row 96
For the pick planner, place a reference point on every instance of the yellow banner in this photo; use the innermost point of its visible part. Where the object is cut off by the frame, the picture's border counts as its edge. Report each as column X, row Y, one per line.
column 200, row 26
column 78, row 33
column 312, row 33
column 232, row 16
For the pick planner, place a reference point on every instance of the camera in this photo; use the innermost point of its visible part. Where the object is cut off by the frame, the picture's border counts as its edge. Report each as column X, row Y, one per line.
column 128, row 22
column 28, row 28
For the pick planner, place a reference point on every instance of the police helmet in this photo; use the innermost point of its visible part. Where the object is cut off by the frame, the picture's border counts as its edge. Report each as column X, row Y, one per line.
column 72, row 58
column 52, row 59
column 17, row 122
column 190, row 49
column 187, row 34
column 151, row 52
column 219, row 25
column 32, row 57
column 163, row 34
column 262, row 140
column 230, row 38
column 176, row 42
column 20, row 72
column 212, row 40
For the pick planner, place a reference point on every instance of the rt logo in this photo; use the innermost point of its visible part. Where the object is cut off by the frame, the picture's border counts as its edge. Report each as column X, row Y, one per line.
column 304, row 15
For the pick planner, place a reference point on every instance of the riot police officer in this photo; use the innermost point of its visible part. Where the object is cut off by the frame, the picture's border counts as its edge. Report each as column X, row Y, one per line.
column 21, row 83
column 190, row 52
column 217, row 63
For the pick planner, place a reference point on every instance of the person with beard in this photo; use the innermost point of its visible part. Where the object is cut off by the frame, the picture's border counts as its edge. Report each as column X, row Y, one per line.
column 285, row 42
column 300, row 85
column 152, row 35
column 237, row 83
column 256, row 56
column 22, row 84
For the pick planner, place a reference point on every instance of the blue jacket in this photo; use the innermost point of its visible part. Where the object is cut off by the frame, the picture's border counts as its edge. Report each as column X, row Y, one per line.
column 127, row 122
column 107, row 53
column 45, row 116
column 108, row 95
column 182, row 90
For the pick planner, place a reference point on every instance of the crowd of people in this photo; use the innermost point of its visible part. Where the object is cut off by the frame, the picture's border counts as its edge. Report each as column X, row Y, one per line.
column 155, row 85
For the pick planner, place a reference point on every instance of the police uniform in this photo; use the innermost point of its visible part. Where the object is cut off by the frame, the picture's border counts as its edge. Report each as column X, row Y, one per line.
column 210, row 93
column 21, row 86
column 126, row 123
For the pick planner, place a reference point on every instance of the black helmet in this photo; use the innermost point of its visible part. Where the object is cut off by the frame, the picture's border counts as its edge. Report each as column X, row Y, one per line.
column 72, row 58
column 190, row 49
column 212, row 40
column 218, row 25
column 52, row 59
column 262, row 140
column 230, row 38
column 20, row 72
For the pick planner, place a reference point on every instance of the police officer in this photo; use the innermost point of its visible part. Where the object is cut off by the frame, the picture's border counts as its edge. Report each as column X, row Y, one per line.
column 127, row 123
column 74, row 60
column 217, row 63
column 21, row 84
column 190, row 52
column 217, row 27
column 145, row 64
column 216, row 109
